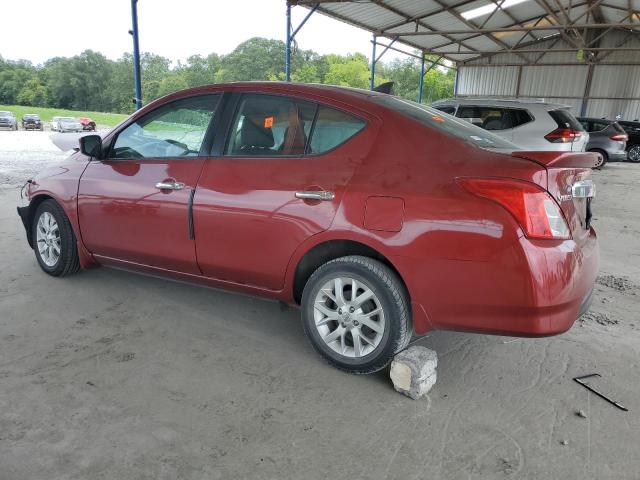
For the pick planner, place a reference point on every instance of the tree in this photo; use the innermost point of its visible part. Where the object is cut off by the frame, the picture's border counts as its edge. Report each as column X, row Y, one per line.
column 90, row 81
column 255, row 59
column 349, row 71
column 33, row 93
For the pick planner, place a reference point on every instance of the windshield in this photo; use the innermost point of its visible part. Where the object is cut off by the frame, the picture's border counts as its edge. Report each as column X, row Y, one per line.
column 31, row 117
column 68, row 120
column 446, row 123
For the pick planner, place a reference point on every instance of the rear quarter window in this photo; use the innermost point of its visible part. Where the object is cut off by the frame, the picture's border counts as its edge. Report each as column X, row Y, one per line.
column 332, row 128
column 564, row 119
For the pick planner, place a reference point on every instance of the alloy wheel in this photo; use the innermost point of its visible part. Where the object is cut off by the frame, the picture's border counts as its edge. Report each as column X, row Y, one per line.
column 48, row 239
column 634, row 154
column 349, row 317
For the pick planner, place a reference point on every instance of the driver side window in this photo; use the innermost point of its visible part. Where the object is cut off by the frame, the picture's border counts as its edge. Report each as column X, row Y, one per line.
column 173, row 130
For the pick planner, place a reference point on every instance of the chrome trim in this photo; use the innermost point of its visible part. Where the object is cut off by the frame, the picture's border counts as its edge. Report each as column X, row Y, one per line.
column 169, row 185
column 316, row 195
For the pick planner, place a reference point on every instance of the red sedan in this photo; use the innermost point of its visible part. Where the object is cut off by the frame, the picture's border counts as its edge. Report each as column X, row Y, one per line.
column 380, row 217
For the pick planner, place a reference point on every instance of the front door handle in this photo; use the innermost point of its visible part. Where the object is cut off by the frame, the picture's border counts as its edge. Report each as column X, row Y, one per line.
column 169, row 185
column 316, row 195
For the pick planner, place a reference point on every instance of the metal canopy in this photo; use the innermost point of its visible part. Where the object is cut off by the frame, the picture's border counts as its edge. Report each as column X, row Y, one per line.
column 464, row 30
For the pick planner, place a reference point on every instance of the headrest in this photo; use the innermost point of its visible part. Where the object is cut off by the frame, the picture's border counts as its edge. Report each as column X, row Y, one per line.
column 255, row 136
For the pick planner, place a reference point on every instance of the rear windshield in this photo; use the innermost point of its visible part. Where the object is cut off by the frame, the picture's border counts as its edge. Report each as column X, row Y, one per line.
column 618, row 127
column 564, row 119
column 445, row 123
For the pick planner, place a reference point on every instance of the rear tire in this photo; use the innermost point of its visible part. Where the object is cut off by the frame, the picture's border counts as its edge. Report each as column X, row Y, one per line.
column 358, row 333
column 604, row 158
column 54, row 242
column 633, row 155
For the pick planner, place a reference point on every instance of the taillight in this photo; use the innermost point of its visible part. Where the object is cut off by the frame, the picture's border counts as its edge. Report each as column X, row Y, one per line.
column 563, row 135
column 619, row 137
column 535, row 210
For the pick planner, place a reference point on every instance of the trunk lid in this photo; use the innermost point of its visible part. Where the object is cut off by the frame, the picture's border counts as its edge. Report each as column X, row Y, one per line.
column 569, row 182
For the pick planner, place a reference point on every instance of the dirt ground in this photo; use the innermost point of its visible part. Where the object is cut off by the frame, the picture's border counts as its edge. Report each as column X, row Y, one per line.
column 111, row 375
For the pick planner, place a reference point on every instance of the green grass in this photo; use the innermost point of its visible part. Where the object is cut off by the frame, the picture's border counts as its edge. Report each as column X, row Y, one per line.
column 46, row 114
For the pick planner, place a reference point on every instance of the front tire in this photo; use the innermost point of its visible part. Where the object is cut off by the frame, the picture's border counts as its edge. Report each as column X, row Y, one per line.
column 355, row 312
column 54, row 242
column 633, row 155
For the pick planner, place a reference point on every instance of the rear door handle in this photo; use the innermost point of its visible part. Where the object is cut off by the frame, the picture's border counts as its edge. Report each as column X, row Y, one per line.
column 316, row 195
column 169, row 185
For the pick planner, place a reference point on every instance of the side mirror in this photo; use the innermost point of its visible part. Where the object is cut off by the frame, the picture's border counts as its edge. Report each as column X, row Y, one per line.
column 91, row 145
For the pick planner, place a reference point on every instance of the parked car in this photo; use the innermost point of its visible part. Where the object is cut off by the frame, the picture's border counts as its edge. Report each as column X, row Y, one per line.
column 66, row 124
column 530, row 125
column 8, row 120
column 633, row 144
column 87, row 124
column 607, row 138
column 32, row 121
column 55, row 124
column 380, row 217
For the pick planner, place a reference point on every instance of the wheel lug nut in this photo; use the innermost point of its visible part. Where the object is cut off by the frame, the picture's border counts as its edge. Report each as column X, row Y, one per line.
column 356, row 323
column 351, row 309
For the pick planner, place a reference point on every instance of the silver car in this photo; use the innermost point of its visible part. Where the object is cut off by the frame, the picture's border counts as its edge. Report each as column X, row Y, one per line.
column 536, row 126
column 8, row 120
column 67, row 124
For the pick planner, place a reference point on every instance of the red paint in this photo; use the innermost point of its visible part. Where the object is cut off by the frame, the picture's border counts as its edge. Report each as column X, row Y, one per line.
column 466, row 262
column 384, row 214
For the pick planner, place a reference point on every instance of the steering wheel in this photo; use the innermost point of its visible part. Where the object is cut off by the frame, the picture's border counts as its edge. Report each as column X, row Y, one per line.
column 181, row 145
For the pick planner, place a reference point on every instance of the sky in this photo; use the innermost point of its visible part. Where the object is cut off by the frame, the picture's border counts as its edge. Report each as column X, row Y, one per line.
column 42, row 29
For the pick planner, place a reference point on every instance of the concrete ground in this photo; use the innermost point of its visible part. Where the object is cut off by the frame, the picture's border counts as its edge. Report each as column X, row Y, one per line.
column 111, row 375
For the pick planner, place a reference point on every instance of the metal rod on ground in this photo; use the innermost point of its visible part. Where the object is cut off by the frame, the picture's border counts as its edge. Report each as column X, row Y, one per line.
column 373, row 65
column 287, row 53
column 136, row 54
column 421, row 84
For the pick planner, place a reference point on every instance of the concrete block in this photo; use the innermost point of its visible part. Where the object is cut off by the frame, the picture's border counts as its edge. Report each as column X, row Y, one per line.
column 413, row 371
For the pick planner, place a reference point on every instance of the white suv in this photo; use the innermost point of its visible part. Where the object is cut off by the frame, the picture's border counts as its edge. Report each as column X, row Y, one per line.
column 530, row 125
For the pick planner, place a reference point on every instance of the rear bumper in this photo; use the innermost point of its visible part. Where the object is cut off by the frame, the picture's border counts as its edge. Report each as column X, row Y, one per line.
column 533, row 289
column 617, row 156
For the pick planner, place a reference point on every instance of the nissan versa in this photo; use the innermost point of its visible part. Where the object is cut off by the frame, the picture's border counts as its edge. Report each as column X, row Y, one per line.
column 381, row 217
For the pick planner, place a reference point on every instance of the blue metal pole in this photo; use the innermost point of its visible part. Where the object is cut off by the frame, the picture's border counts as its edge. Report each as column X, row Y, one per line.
column 136, row 54
column 373, row 65
column 421, row 84
column 287, row 54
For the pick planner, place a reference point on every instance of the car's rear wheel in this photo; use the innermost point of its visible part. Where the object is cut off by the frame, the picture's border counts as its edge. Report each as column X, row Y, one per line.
column 604, row 158
column 54, row 241
column 355, row 312
column 633, row 155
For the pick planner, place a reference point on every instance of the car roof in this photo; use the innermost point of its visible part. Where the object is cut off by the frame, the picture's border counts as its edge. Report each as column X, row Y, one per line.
column 500, row 102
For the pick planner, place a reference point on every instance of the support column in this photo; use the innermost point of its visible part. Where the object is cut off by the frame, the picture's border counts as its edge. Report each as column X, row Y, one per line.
column 421, row 83
column 136, row 54
column 373, row 64
column 587, row 91
column 287, row 52
column 519, row 81
column 455, row 81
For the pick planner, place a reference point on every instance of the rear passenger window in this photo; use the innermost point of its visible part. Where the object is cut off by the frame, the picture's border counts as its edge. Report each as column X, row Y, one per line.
column 494, row 118
column 269, row 125
column 333, row 128
column 598, row 126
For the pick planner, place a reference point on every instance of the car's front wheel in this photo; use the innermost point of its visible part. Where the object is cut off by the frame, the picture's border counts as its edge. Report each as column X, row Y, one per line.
column 355, row 312
column 54, row 241
column 633, row 155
